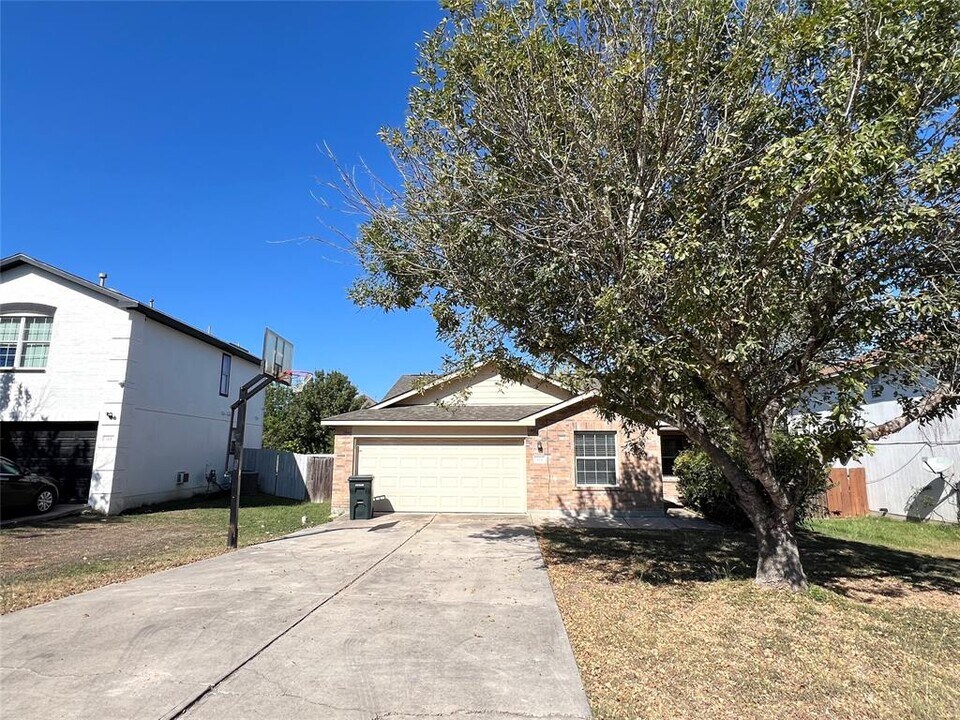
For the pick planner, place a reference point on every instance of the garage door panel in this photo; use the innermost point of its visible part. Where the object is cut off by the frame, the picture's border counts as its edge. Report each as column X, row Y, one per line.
column 446, row 475
column 61, row 450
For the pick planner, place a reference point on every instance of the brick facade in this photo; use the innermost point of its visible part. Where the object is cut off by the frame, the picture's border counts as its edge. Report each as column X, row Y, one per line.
column 551, row 483
column 342, row 468
column 551, row 477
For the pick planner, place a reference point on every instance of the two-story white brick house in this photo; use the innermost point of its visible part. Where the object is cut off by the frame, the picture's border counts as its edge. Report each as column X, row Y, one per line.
column 122, row 404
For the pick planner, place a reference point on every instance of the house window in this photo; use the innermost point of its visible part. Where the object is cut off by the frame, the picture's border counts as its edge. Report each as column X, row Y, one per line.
column 24, row 341
column 671, row 445
column 596, row 458
column 225, row 362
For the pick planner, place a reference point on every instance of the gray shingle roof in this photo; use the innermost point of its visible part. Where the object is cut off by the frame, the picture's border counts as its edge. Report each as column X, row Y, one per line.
column 405, row 383
column 434, row 413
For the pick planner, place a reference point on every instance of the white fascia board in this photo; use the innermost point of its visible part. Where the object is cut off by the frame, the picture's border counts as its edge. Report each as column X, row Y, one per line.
column 520, row 434
column 668, row 428
column 532, row 419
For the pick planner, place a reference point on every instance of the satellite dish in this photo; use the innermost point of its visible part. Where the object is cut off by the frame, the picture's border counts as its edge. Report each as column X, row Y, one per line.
column 938, row 465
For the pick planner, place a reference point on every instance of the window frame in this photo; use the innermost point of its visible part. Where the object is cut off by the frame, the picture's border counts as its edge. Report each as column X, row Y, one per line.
column 22, row 317
column 671, row 435
column 615, row 457
column 225, row 360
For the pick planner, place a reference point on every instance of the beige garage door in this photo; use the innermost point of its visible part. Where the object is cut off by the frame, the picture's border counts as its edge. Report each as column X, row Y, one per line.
column 481, row 476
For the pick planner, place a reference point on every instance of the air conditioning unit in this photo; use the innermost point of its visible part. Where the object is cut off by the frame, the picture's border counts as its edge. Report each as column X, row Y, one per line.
column 183, row 478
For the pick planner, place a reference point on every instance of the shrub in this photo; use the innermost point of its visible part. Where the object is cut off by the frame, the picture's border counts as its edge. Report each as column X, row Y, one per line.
column 797, row 463
column 705, row 489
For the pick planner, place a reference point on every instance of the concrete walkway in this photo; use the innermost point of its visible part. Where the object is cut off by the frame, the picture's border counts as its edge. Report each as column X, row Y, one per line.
column 675, row 519
column 397, row 617
column 57, row 512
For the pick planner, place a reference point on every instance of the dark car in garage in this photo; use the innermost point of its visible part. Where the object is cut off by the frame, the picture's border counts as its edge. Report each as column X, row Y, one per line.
column 23, row 491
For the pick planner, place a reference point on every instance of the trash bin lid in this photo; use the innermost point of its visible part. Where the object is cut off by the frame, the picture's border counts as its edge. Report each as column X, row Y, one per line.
column 361, row 478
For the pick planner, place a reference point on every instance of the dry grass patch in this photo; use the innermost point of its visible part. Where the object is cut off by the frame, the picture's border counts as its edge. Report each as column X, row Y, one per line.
column 670, row 625
column 50, row 560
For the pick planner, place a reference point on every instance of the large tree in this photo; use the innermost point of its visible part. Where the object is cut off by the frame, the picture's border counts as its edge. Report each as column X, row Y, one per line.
column 718, row 214
column 292, row 415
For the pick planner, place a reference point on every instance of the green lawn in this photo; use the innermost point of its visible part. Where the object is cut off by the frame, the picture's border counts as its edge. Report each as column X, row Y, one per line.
column 671, row 625
column 931, row 538
column 53, row 559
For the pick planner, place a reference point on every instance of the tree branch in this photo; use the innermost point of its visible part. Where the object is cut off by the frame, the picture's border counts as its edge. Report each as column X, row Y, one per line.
column 926, row 407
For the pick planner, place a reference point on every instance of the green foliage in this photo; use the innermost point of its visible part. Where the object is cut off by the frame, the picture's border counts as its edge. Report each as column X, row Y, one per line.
column 929, row 537
column 697, row 207
column 706, row 212
column 703, row 487
column 291, row 417
column 797, row 463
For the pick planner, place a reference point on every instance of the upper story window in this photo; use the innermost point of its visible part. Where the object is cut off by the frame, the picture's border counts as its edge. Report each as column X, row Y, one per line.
column 25, row 341
column 596, row 457
column 225, row 362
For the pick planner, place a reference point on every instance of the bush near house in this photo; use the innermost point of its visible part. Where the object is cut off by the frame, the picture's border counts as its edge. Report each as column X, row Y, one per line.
column 797, row 464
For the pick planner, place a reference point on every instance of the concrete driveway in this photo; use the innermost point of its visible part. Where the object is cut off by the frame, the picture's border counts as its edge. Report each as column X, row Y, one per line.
column 397, row 617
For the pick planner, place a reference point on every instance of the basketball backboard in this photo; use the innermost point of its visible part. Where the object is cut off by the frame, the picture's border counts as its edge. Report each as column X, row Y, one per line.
column 277, row 357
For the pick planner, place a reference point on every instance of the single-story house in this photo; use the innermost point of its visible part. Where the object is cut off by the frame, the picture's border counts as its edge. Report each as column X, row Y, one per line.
column 122, row 404
column 477, row 443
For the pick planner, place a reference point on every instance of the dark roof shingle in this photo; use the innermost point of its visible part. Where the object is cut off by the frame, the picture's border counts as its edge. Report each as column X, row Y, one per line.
column 405, row 383
column 435, row 413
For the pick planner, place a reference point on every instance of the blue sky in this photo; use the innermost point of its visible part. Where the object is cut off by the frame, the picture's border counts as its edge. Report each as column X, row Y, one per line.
column 174, row 146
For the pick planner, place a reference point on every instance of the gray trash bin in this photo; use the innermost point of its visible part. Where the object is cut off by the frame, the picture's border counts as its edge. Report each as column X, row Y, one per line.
column 361, row 497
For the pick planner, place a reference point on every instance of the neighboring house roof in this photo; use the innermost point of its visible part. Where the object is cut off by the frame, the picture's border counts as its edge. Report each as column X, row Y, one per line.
column 438, row 413
column 404, row 384
column 128, row 303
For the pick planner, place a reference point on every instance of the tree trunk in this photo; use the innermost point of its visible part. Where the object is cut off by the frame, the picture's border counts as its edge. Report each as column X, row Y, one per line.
column 778, row 561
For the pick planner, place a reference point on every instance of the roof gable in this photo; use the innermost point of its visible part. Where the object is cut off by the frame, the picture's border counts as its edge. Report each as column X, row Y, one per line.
column 482, row 386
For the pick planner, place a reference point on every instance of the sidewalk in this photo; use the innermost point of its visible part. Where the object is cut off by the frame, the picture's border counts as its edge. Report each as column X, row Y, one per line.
column 58, row 511
column 675, row 519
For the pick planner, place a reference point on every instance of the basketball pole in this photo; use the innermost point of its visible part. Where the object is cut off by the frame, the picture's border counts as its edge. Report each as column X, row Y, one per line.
column 239, row 408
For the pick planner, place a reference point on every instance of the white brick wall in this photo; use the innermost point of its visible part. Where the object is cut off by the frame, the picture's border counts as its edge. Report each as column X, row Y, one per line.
column 174, row 418
column 160, row 386
column 86, row 367
column 88, row 353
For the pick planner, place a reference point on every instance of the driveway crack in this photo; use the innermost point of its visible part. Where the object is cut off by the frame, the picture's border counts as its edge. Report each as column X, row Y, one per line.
column 183, row 708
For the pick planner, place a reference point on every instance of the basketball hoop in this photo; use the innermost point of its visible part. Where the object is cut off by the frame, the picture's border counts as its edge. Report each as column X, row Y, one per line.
column 275, row 366
column 277, row 357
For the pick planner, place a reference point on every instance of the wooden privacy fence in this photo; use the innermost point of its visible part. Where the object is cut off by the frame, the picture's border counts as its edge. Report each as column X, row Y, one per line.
column 847, row 494
column 291, row 475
